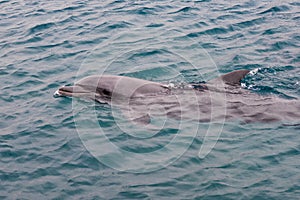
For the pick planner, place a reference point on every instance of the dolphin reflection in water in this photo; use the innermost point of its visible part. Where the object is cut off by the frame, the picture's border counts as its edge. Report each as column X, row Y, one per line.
column 220, row 98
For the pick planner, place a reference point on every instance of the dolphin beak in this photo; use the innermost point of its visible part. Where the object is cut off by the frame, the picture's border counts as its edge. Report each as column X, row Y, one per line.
column 65, row 91
column 70, row 91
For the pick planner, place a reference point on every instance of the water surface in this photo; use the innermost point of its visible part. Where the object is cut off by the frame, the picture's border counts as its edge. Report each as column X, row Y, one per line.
column 46, row 44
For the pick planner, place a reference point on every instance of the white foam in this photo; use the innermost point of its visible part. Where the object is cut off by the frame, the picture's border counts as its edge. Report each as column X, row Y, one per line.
column 250, row 87
column 56, row 94
column 170, row 85
column 254, row 71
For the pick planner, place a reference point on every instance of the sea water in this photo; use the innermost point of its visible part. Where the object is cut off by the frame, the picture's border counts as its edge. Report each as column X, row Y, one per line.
column 64, row 148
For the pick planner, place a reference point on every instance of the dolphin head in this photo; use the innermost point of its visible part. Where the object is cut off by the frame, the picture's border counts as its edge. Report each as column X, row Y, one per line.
column 103, row 88
column 99, row 88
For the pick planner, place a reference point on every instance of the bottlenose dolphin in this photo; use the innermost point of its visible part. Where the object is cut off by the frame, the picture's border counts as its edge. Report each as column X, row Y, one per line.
column 102, row 88
column 197, row 102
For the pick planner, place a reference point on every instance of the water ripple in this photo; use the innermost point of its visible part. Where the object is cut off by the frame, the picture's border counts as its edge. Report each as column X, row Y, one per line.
column 43, row 44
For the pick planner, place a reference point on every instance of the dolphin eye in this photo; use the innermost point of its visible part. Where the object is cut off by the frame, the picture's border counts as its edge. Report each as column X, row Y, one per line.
column 106, row 92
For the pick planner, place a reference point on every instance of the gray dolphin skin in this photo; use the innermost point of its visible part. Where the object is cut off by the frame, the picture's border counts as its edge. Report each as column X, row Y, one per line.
column 103, row 88
column 224, row 92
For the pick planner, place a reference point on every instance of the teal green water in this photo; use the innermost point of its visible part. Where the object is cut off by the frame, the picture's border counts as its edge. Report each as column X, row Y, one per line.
column 47, row 44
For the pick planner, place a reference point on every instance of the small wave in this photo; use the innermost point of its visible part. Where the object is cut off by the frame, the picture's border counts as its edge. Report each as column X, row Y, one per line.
column 276, row 9
column 272, row 31
column 118, row 25
column 5, row 1
column 154, row 25
column 41, row 27
column 212, row 31
column 143, row 11
column 184, row 9
column 271, row 80
column 249, row 23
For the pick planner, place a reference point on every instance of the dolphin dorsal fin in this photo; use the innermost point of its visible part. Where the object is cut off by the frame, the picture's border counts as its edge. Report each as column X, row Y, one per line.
column 232, row 78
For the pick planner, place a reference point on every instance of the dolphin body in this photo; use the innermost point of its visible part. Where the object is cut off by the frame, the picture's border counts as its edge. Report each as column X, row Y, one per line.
column 220, row 98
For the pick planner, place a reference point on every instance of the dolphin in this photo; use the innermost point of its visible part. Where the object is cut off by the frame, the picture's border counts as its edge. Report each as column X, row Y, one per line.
column 102, row 88
column 239, row 103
